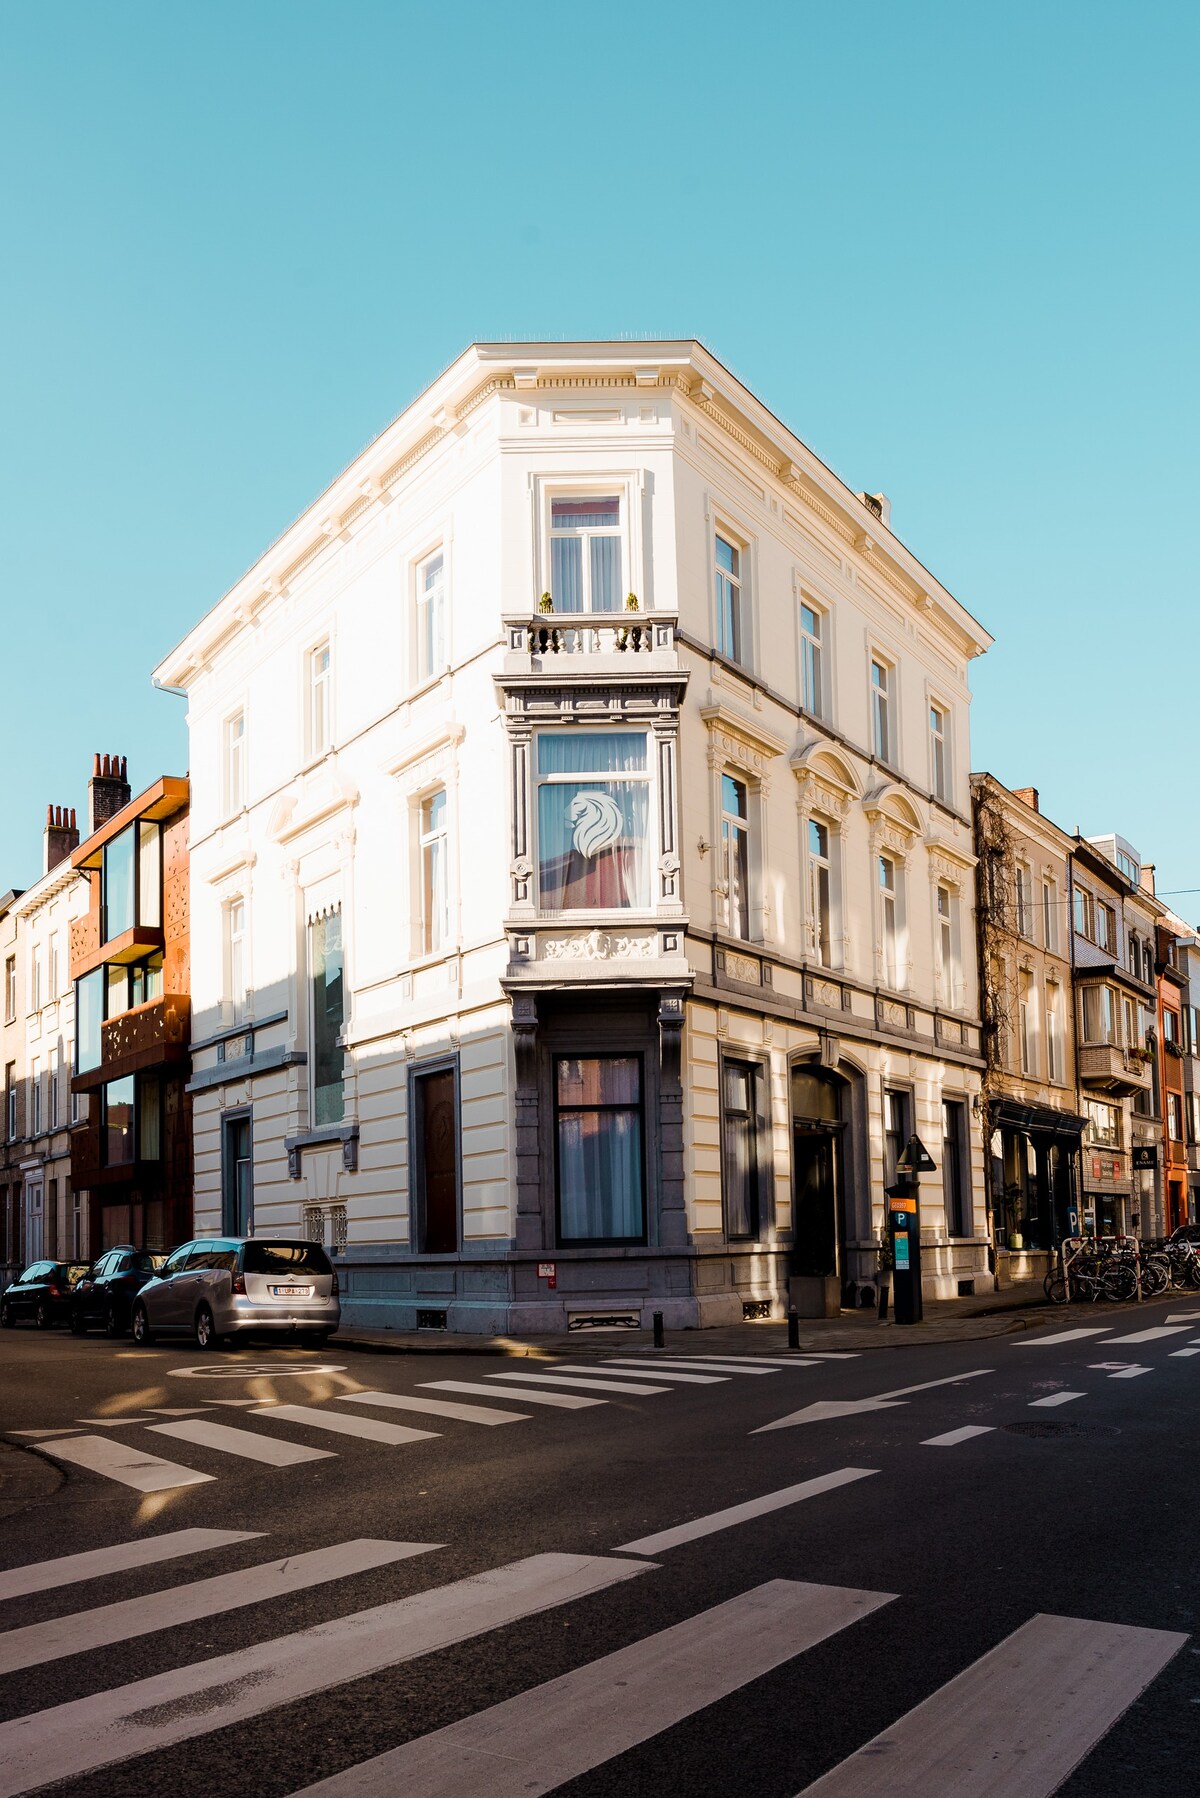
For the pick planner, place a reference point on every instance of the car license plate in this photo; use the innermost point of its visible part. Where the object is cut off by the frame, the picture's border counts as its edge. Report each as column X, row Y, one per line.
column 292, row 1292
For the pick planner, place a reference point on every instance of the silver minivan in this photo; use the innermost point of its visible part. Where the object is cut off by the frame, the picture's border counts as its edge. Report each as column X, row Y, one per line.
column 240, row 1286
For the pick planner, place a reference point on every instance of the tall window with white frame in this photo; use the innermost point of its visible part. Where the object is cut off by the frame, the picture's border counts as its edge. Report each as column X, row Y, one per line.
column 1050, row 916
column 939, row 755
column 435, row 883
column 812, row 660
column 55, row 969
column 1025, row 1011
column 820, row 892
column 585, row 553
column 235, row 763
column 731, row 619
column 744, row 1137
column 35, row 979
column 889, row 920
column 947, row 946
column 1024, row 883
column 10, row 1099
column 326, row 986
column 320, row 682
column 882, row 743
column 35, row 1096
column 735, row 854
column 235, row 954
column 431, row 615
column 1054, row 1042
column 10, row 989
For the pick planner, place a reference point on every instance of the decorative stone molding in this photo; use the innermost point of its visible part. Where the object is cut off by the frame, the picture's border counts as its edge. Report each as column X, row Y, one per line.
column 429, row 762
column 599, row 945
column 739, row 967
column 741, row 742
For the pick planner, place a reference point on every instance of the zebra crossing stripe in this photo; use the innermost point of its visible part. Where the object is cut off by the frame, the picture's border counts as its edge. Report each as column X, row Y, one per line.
column 435, row 1407
column 77, row 1737
column 1055, row 1398
column 538, row 1741
column 38, row 1643
column 753, row 1507
column 588, row 1384
column 1015, row 1723
column 247, row 1443
column 724, row 1368
column 1061, row 1336
column 1152, row 1335
column 368, row 1429
column 965, row 1433
column 70, row 1570
column 119, row 1461
column 660, row 1370
column 567, row 1401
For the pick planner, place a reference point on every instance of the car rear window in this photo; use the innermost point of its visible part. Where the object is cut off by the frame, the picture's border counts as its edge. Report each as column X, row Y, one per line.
column 146, row 1263
column 285, row 1258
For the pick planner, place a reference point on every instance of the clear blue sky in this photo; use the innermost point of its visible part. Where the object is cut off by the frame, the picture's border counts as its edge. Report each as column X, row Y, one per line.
column 954, row 247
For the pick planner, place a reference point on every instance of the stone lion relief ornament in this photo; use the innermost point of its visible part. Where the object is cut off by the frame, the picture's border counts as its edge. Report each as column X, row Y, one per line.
column 598, row 823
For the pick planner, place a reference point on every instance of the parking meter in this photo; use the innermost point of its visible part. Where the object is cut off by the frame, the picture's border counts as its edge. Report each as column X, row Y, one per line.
column 904, row 1232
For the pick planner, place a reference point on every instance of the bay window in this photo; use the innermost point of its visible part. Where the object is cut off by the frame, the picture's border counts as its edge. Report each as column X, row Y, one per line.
column 89, row 1015
column 1099, row 1015
column 327, row 1058
column 600, row 1159
column 116, row 1122
column 585, row 554
column 131, row 881
column 595, row 849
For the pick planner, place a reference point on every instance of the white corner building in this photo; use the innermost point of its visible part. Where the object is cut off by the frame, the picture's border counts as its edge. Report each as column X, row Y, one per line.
column 582, row 888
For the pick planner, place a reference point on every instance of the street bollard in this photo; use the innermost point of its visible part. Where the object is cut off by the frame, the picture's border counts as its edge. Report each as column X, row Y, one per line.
column 658, row 1329
column 793, row 1328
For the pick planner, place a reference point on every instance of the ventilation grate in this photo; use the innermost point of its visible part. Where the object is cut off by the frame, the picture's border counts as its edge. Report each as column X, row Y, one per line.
column 431, row 1320
column 604, row 1320
column 752, row 1308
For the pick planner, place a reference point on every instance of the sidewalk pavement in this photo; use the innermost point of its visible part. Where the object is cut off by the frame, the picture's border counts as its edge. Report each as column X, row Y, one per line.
column 1020, row 1307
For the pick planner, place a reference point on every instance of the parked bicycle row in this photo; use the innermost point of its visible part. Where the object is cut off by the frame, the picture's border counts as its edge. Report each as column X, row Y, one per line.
column 1122, row 1268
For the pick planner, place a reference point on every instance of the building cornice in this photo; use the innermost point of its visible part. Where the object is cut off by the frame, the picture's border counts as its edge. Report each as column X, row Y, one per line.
column 441, row 413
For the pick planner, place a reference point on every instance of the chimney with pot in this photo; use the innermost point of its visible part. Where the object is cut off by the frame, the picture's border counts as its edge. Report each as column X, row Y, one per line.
column 108, row 790
column 60, row 836
column 1028, row 796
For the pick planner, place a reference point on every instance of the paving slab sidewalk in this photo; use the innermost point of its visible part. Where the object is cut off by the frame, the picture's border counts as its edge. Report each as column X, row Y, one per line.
column 1020, row 1307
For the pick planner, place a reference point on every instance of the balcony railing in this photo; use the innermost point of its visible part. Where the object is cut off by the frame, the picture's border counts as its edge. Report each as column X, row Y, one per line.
column 552, row 640
column 1113, row 1069
column 149, row 1036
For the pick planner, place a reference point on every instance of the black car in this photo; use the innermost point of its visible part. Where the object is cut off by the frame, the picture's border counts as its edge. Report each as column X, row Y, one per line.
column 44, row 1292
column 106, row 1292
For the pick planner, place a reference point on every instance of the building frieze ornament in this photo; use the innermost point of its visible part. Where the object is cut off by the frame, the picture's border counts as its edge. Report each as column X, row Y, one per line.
column 600, row 945
column 817, row 795
column 740, row 741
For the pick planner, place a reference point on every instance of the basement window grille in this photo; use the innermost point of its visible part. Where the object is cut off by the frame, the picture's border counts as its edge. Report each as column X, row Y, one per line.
column 431, row 1320
column 604, row 1320
column 753, row 1308
column 338, row 1228
column 314, row 1223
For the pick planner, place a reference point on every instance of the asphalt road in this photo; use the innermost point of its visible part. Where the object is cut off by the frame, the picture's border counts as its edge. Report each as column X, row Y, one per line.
column 808, row 1626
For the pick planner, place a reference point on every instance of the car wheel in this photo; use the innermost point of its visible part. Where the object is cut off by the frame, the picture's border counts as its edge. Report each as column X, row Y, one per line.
column 42, row 1315
column 78, row 1326
column 112, row 1322
column 7, row 1320
column 205, row 1329
column 143, row 1335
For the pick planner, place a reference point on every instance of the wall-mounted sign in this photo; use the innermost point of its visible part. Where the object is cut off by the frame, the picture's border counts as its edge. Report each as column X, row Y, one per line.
column 548, row 1271
column 1107, row 1167
column 1145, row 1156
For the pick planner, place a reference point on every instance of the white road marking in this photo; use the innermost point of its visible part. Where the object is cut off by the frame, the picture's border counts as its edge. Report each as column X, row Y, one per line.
column 114, row 1423
column 250, row 1444
column 714, row 1366
column 177, row 1410
column 69, row 1570
column 1056, row 1398
column 253, row 1370
column 568, row 1401
column 38, row 1643
column 753, row 1507
column 435, row 1407
column 235, row 1401
column 952, row 1438
column 851, row 1407
column 118, row 1461
column 75, row 1738
column 1152, row 1335
column 1130, row 1373
column 589, row 1385
column 1183, row 1317
column 67, row 1429
column 1061, row 1336
column 538, row 1741
column 1176, row 1353
column 367, row 1429
column 1016, row 1722
column 659, row 1369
